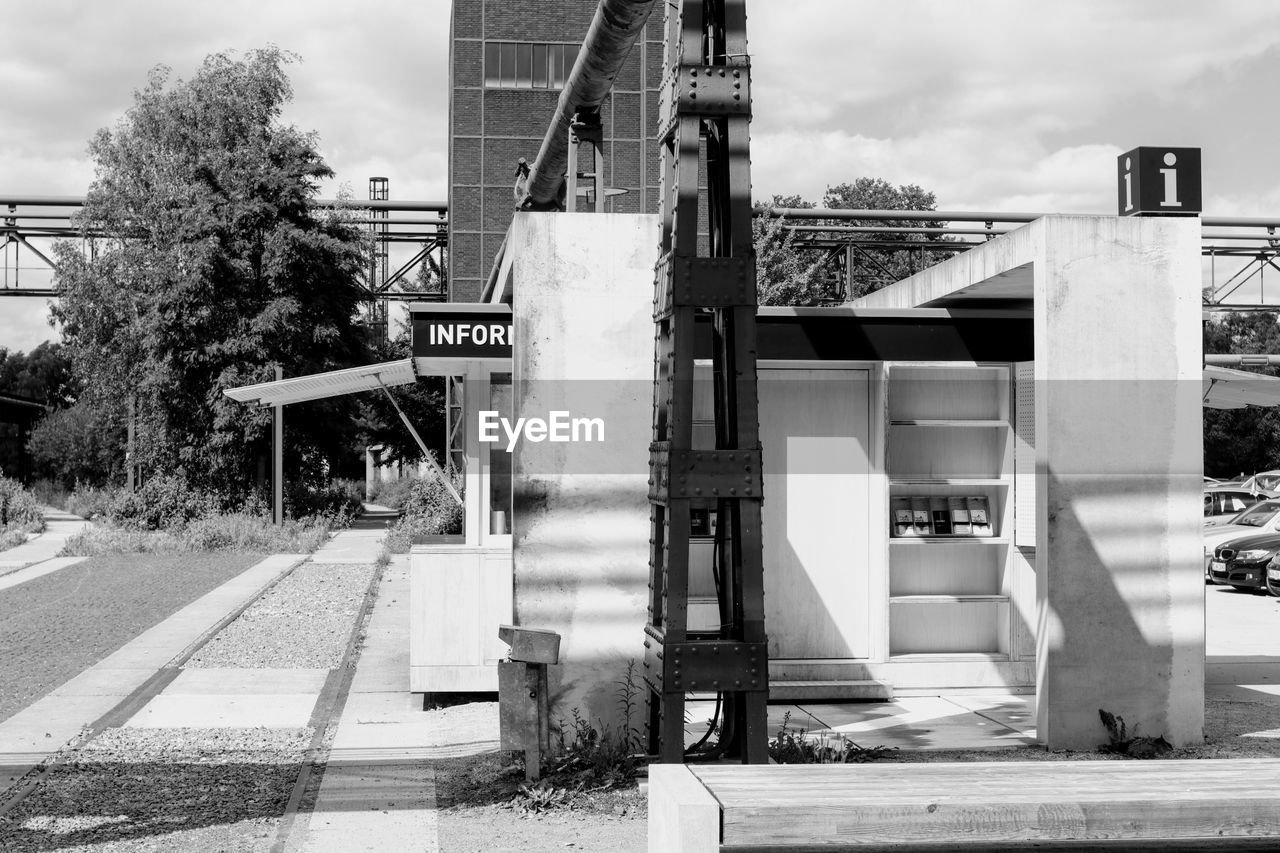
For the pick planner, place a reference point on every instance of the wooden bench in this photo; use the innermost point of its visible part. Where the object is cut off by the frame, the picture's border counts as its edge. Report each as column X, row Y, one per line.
column 989, row 806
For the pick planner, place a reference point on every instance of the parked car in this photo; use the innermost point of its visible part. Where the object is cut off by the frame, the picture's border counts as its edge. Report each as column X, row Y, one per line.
column 1263, row 517
column 1242, row 563
column 1223, row 504
column 1273, row 576
column 1266, row 483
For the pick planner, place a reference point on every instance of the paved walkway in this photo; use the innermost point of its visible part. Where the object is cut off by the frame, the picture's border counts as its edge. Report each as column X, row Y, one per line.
column 59, row 526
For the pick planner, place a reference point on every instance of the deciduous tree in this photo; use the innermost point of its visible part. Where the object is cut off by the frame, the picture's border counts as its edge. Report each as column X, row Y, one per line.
column 789, row 272
column 206, row 264
column 1242, row 440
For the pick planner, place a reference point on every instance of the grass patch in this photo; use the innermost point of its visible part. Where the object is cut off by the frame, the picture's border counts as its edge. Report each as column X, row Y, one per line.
column 229, row 532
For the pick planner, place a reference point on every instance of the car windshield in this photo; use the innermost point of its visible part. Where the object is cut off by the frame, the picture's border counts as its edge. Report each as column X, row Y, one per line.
column 1257, row 515
column 1267, row 481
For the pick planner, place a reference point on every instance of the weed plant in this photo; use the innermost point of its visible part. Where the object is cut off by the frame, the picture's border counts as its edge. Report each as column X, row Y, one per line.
column 1125, row 742
column 798, row 746
column 590, row 758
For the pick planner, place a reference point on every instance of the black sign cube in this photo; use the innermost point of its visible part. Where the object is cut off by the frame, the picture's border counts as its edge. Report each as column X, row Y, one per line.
column 1159, row 182
column 461, row 330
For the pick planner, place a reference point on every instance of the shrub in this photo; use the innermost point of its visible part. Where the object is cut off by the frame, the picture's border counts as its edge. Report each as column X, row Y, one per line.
column 18, row 508
column 429, row 510
column 90, row 502
column 392, row 493
column 162, row 502
column 50, row 493
column 338, row 498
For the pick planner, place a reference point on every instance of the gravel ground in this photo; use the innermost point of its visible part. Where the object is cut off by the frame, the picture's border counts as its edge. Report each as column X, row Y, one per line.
column 304, row 621
column 54, row 627
column 179, row 790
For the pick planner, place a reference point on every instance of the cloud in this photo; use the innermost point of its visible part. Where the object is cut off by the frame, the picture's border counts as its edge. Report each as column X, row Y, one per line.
column 24, row 323
column 995, row 104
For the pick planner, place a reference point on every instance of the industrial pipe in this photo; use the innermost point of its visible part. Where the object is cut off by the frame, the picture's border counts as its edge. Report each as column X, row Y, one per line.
column 1242, row 360
column 613, row 32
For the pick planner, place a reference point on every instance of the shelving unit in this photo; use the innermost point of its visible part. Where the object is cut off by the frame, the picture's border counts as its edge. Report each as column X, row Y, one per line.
column 949, row 436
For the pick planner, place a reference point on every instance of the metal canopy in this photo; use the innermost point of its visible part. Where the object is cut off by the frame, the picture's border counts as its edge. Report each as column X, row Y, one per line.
column 1225, row 388
column 331, row 384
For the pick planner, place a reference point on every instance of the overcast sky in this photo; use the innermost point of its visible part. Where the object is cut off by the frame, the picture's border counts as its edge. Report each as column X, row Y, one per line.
column 1010, row 105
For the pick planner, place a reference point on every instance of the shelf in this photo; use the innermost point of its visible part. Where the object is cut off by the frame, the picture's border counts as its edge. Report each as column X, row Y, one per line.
column 946, row 599
column 954, row 481
column 973, row 424
column 946, row 540
column 949, row 438
column 927, row 657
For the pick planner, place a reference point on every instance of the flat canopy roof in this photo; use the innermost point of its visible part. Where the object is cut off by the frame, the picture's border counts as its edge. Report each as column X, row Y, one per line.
column 1225, row 388
column 331, row 384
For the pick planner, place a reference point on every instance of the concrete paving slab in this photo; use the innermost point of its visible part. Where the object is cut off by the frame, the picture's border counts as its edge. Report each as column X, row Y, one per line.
column 919, row 722
column 371, row 809
column 105, row 681
column 24, row 573
column 51, row 722
column 213, row 681
column 208, row 711
column 350, row 546
column 1268, row 693
column 374, row 724
column 1252, row 669
column 1014, row 711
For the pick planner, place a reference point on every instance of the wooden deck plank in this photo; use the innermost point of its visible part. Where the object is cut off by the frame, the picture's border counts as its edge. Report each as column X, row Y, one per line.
column 995, row 802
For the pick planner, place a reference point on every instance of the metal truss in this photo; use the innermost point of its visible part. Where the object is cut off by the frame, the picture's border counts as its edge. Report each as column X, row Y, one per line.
column 706, row 107
column 29, row 225
column 1241, row 254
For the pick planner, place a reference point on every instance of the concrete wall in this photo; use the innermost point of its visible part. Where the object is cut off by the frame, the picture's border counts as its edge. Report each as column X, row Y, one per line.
column 583, row 288
column 1119, row 457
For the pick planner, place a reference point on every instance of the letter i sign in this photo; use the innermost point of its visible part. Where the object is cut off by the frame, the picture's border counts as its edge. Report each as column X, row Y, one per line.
column 1159, row 182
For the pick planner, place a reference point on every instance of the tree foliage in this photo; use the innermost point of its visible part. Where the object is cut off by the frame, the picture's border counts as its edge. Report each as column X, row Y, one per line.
column 789, row 273
column 206, row 265
column 786, row 275
column 44, row 374
column 1244, row 440
column 81, row 444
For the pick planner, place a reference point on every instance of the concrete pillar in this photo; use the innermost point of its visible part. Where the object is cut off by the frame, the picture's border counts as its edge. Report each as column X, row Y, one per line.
column 1118, row 456
column 583, row 293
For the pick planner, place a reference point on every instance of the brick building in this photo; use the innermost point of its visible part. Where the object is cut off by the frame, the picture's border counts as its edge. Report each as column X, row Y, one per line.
column 509, row 61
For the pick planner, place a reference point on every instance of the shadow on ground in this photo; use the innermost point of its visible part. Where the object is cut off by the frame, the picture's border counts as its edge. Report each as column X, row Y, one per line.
column 209, row 806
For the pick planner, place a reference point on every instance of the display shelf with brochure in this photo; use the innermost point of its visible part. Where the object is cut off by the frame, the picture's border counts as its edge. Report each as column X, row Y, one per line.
column 949, row 461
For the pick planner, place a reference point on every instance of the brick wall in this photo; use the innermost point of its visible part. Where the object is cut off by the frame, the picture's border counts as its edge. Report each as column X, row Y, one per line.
column 490, row 129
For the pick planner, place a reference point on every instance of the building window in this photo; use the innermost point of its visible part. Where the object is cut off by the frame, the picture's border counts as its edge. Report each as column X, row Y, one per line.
column 519, row 65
